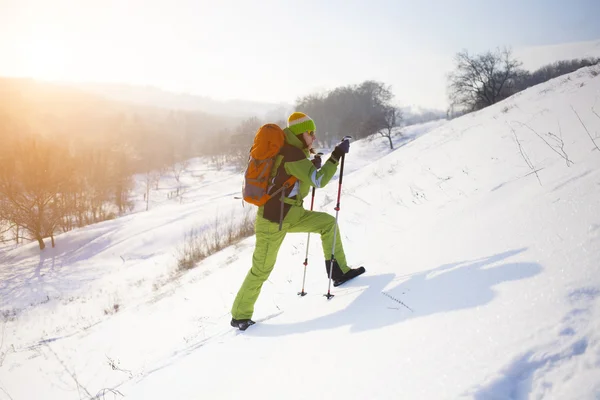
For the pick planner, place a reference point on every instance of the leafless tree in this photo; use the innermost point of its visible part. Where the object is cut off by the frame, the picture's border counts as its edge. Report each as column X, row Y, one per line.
column 5, row 226
column 150, row 181
column 177, row 169
column 218, row 161
column 33, row 176
column 347, row 110
column 241, row 141
column 391, row 118
column 121, row 176
column 483, row 79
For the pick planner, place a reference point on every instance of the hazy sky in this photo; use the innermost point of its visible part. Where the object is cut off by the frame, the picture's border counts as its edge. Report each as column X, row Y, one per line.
column 278, row 50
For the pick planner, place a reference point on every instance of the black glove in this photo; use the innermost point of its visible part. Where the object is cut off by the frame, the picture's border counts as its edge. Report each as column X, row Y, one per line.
column 317, row 162
column 342, row 148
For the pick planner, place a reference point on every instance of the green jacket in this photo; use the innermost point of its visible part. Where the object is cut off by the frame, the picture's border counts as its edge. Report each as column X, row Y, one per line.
column 296, row 163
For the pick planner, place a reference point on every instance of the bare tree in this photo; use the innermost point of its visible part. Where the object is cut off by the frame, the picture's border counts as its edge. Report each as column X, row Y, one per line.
column 5, row 226
column 177, row 169
column 33, row 175
column 121, row 176
column 241, row 141
column 162, row 171
column 218, row 161
column 218, row 148
column 150, row 180
column 97, row 181
column 482, row 80
column 391, row 118
column 349, row 110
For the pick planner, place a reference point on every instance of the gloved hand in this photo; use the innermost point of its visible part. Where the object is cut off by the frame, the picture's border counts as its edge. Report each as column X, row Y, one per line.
column 342, row 148
column 317, row 162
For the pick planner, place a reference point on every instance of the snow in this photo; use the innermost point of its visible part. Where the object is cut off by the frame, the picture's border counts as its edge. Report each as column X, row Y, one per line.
column 482, row 282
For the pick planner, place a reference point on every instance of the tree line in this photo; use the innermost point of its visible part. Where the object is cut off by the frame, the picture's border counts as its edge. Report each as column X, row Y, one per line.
column 67, row 158
column 480, row 80
column 357, row 110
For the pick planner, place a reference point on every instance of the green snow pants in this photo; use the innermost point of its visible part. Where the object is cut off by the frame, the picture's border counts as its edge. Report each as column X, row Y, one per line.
column 268, row 241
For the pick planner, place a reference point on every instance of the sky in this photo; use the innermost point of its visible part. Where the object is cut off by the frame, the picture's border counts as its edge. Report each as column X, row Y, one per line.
column 277, row 51
column 482, row 276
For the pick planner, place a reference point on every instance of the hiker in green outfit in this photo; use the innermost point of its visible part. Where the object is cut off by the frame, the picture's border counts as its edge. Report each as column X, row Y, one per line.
column 292, row 161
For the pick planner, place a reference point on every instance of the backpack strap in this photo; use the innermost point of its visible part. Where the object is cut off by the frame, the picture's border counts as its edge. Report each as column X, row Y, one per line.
column 286, row 185
column 289, row 154
column 276, row 207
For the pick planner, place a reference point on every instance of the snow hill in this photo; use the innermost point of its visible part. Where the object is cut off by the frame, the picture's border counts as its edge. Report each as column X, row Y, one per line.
column 481, row 240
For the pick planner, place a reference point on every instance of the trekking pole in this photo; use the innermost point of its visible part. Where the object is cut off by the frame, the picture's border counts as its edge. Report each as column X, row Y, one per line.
column 312, row 202
column 337, row 210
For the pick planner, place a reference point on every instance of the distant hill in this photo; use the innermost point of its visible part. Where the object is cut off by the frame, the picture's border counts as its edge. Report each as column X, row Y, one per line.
column 82, row 120
column 537, row 56
column 412, row 115
column 153, row 96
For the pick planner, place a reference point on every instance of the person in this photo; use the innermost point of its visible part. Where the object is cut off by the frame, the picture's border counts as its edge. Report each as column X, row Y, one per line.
column 293, row 160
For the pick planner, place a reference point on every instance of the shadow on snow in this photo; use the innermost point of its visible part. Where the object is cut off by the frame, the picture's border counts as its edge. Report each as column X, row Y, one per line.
column 450, row 287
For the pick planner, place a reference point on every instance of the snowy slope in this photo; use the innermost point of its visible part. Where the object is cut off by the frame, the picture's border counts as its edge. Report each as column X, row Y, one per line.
column 482, row 279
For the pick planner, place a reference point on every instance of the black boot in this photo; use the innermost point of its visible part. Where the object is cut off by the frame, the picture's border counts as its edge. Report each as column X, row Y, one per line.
column 241, row 324
column 353, row 273
column 337, row 271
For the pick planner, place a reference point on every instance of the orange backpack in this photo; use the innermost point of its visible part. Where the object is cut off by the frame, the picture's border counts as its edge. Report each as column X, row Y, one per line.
column 268, row 141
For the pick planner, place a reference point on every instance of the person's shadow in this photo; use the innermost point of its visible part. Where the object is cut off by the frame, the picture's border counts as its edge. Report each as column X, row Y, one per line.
column 449, row 287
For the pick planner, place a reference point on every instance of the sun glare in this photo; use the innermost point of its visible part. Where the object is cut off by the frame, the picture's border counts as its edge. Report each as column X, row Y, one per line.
column 49, row 59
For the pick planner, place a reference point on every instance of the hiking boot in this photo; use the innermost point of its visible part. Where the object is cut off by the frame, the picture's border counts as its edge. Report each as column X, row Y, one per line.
column 353, row 273
column 241, row 324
